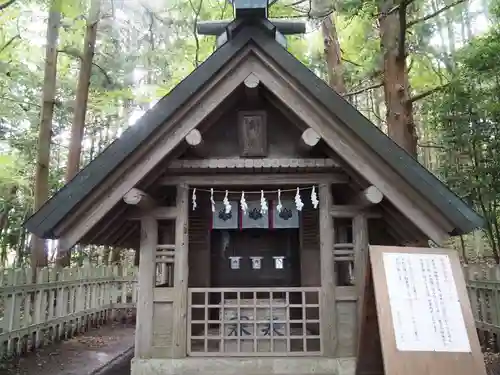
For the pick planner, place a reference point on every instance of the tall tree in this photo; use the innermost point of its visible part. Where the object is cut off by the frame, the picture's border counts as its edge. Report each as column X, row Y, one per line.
column 399, row 107
column 38, row 253
column 333, row 54
column 82, row 95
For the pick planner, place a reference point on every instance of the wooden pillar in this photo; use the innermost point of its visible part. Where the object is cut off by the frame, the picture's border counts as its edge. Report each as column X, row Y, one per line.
column 328, row 304
column 144, row 325
column 360, row 239
column 181, row 274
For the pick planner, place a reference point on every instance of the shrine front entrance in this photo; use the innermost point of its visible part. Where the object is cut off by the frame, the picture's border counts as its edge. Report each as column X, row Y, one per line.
column 251, row 258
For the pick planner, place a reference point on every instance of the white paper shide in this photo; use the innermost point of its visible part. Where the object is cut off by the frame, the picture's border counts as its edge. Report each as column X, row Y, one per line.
column 424, row 302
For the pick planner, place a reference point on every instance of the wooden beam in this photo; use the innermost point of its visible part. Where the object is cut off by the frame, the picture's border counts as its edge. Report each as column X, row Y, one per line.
column 115, row 221
column 181, row 273
column 252, row 86
column 139, row 198
column 309, row 139
column 144, row 326
column 121, row 241
column 328, row 311
column 114, row 234
column 346, row 212
column 256, row 179
column 368, row 197
column 159, row 213
column 403, row 226
column 194, row 138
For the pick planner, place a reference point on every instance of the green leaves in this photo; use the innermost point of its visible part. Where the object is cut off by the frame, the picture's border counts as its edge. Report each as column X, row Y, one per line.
column 466, row 121
column 13, row 174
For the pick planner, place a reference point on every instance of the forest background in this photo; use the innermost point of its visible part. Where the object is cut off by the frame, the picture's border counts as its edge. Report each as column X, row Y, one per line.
column 74, row 74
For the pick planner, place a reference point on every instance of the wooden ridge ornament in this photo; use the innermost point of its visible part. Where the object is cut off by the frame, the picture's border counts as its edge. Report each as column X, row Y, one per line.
column 415, row 316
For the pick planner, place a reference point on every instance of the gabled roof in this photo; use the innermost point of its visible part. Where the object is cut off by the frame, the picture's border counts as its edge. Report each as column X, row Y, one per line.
column 49, row 216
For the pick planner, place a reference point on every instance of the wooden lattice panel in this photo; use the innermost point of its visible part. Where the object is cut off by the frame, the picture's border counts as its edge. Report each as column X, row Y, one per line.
column 254, row 322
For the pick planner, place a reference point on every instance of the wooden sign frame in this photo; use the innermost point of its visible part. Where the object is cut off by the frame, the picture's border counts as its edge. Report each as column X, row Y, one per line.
column 378, row 353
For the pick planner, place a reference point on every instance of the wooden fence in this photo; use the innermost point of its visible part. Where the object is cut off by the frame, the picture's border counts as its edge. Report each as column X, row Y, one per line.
column 483, row 285
column 65, row 302
column 60, row 304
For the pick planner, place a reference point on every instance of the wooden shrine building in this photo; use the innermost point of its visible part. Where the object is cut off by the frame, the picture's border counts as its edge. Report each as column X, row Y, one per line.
column 252, row 191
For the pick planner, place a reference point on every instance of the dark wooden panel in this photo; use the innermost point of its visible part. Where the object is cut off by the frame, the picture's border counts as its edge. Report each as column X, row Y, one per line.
column 199, row 245
column 309, row 254
column 255, row 242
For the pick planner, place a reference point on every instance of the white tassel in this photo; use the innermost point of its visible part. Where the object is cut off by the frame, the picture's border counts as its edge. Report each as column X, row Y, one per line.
column 194, row 199
column 263, row 203
column 225, row 202
column 279, row 206
column 298, row 201
column 212, row 199
column 314, row 198
column 243, row 203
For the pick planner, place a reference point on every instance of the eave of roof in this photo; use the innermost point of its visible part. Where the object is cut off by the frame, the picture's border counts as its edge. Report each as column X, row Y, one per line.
column 46, row 219
column 458, row 212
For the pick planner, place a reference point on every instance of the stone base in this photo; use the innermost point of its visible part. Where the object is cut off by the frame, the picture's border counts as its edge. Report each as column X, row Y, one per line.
column 244, row 366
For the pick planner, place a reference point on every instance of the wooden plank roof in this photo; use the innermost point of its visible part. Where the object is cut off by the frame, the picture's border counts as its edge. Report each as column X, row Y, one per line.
column 54, row 212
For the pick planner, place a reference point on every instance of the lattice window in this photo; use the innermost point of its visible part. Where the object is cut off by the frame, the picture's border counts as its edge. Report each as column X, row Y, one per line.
column 165, row 265
column 254, row 322
column 344, row 253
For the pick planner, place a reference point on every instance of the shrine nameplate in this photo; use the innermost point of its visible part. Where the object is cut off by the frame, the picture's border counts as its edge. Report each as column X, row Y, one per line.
column 416, row 316
column 253, row 133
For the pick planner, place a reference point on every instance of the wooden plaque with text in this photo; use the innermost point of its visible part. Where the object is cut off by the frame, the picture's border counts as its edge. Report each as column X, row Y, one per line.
column 415, row 317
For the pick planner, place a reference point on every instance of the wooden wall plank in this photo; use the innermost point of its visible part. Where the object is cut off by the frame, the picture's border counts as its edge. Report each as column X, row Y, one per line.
column 256, row 179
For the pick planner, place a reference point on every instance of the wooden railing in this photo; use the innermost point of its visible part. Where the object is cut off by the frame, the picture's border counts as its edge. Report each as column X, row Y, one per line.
column 254, row 322
column 60, row 304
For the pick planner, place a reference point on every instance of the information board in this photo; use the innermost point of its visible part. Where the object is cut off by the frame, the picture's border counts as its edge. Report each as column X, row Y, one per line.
column 425, row 307
column 414, row 314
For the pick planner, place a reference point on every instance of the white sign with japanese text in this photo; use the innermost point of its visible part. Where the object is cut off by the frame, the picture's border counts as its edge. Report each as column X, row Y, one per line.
column 424, row 302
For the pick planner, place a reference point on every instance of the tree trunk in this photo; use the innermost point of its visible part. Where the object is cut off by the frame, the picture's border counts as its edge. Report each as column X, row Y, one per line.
column 38, row 253
column 399, row 109
column 333, row 55
column 4, row 213
column 82, row 95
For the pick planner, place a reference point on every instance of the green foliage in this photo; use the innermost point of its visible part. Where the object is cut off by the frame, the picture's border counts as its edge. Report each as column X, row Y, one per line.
column 466, row 120
column 145, row 48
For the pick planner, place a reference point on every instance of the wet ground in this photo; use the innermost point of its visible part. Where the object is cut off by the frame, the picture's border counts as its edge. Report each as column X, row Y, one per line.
column 82, row 355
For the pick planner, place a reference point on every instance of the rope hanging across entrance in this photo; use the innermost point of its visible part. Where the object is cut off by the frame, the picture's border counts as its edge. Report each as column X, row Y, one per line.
column 263, row 201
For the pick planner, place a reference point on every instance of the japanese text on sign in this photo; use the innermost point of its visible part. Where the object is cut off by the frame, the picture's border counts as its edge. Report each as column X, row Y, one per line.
column 424, row 302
